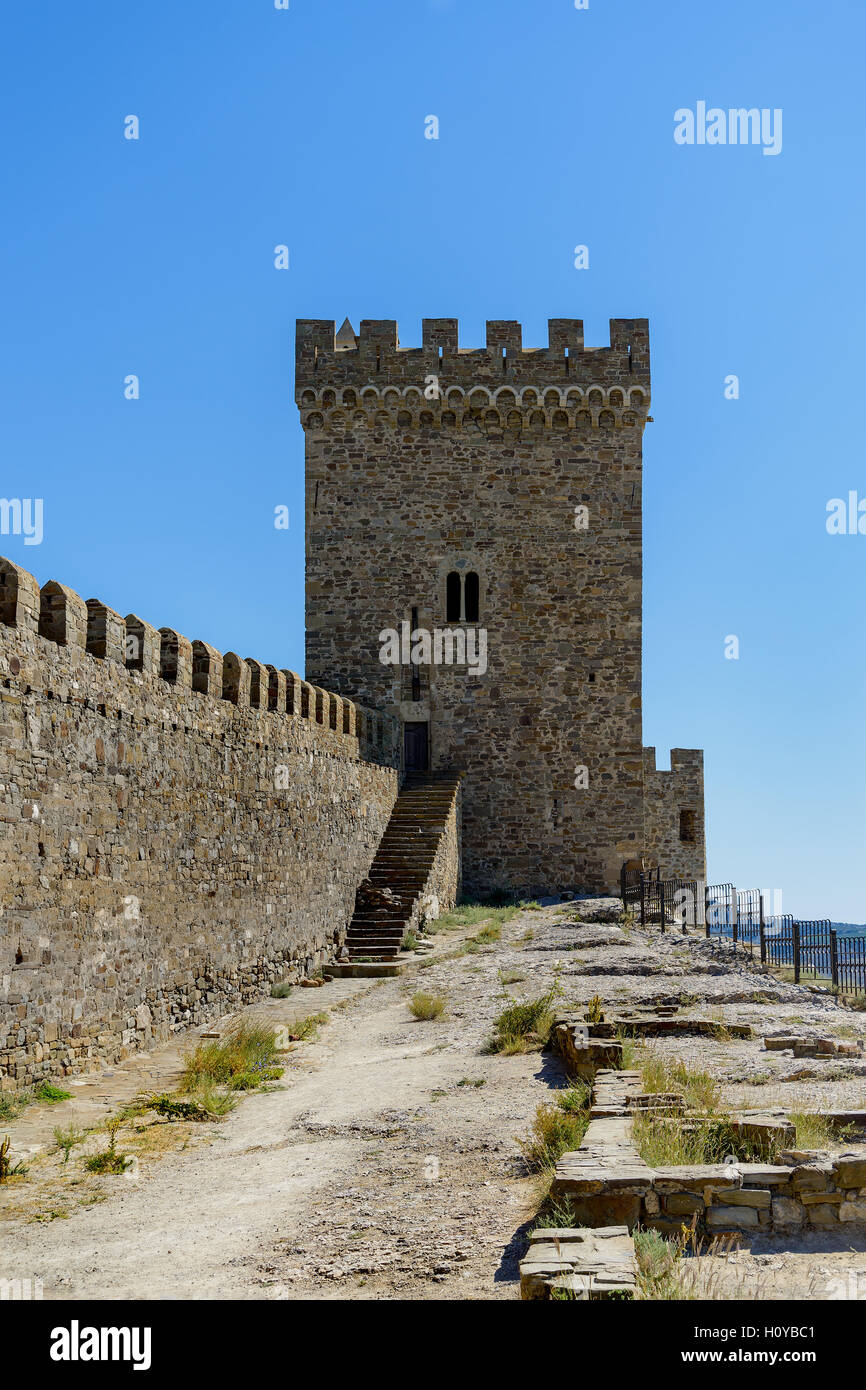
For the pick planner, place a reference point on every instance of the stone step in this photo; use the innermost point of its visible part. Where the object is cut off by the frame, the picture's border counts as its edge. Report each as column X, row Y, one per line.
column 369, row 933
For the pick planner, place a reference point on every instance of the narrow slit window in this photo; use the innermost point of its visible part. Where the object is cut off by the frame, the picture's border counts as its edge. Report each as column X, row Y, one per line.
column 452, row 598
column 472, row 597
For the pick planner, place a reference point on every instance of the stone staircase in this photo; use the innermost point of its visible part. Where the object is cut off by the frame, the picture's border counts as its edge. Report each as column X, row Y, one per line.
column 403, row 864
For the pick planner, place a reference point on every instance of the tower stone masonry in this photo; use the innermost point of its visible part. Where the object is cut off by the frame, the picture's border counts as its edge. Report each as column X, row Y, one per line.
column 493, row 496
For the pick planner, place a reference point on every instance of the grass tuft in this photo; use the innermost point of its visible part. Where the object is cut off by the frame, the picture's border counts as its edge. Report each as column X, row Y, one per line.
column 307, row 1029
column 522, row 1026
column 813, row 1131
column 66, row 1139
column 660, row 1273
column 426, row 1006
column 699, row 1090
column 51, row 1094
column 244, row 1059
column 108, row 1160
column 557, row 1129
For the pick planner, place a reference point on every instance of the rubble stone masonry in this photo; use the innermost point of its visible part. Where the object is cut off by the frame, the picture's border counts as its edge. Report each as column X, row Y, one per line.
column 177, row 828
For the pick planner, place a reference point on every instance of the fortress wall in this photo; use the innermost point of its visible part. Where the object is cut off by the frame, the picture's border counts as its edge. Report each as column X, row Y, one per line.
column 674, row 804
column 179, row 828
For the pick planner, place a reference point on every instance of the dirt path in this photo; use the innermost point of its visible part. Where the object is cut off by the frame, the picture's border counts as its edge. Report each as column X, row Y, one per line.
column 386, row 1163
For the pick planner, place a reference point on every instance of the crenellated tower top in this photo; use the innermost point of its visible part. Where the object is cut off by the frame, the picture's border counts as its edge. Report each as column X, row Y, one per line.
column 341, row 378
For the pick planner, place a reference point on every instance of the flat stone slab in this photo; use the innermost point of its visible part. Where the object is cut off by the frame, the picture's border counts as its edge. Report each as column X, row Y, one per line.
column 592, row 1263
column 765, row 1174
column 695, row 1175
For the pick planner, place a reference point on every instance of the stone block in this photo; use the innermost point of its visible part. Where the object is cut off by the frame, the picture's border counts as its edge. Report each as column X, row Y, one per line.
column 788, row 1215
column 749, row 1197
column 823, row 1215
column 850, row 1171
column 811, row 1177
column 727, row 1217
column 683, row 1203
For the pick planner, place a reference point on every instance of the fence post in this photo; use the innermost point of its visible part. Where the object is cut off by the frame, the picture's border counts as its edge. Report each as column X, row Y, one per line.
column 642, row 899
column 735, row 925
column 834, row 959
column 795, row 941
column 707, row 909
column 661, row 888
column 763, row 937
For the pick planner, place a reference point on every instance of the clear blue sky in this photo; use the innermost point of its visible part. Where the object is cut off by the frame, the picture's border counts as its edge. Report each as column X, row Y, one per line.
column 306, row 127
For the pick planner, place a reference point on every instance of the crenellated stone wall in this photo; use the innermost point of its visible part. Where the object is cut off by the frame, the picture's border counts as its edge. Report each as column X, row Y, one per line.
column 179, row 828
column 674, row 831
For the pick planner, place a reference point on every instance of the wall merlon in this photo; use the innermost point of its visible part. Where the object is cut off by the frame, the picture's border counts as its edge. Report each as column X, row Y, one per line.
column 175, row 658
column 143, row 646
column 207, row 670
column 63, row 616
column 378, row 333
column 276, row 690
column 440, row 333
column 293, row 692
column 259, row 683
column 565, row 335
column 20, row 600
column 106, row 632
column 504, row 334
column 313, row 336
column 689, row 760
column 236, row 680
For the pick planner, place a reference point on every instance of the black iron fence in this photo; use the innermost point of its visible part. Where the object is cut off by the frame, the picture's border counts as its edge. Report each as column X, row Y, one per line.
column 809, row 948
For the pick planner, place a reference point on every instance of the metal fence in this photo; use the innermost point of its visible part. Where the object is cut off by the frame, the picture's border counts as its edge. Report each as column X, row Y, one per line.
column 809, row 948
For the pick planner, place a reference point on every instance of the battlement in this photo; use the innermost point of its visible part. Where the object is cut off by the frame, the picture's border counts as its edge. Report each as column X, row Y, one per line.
column 684, row 761
column 343, row 379
column 55, row 617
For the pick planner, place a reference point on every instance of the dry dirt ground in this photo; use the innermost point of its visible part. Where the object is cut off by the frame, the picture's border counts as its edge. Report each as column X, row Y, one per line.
column 386, row 1163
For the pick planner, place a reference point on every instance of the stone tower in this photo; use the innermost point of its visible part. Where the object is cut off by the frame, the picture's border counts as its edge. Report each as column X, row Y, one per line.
column 474, row 566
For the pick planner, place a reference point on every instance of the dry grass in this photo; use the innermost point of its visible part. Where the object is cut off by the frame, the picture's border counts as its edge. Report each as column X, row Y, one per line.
column 557, row 1129
column 426, row 1007
column 813, row 1131
column 521, row 1027
column 241, row 1061
column 699, row 1090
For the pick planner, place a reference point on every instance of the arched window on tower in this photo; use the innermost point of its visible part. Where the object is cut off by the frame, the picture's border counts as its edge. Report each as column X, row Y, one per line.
column 452, row 598
column 471, row 597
